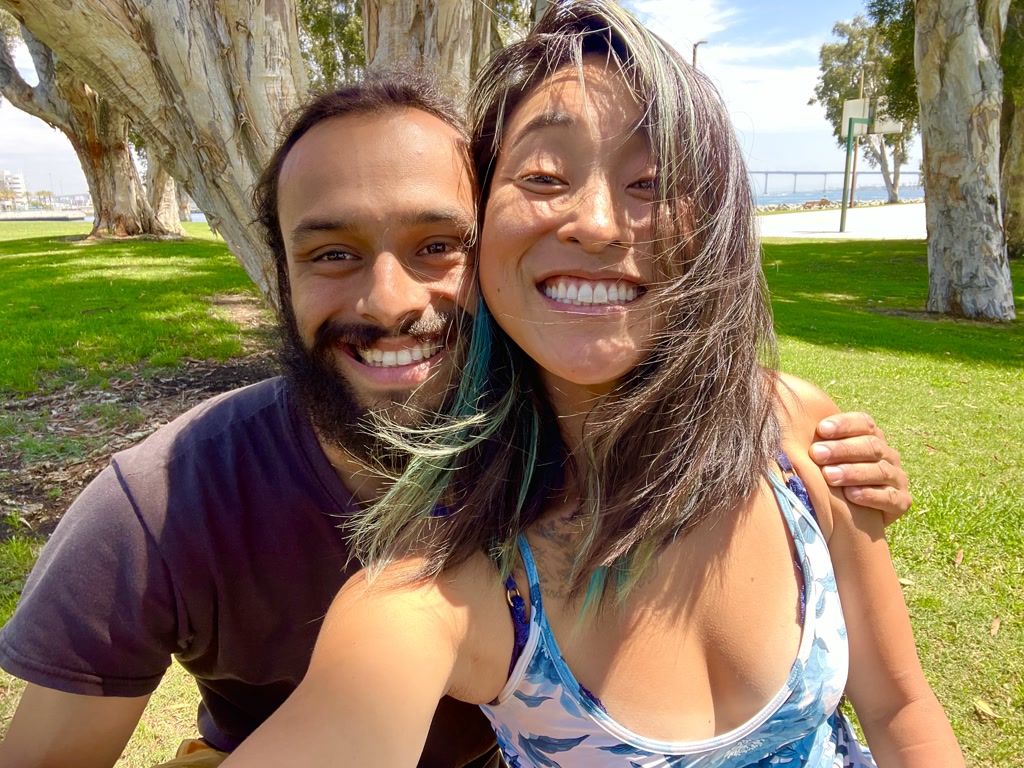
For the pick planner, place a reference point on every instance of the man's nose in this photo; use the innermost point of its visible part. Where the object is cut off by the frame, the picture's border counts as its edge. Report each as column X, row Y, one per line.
column 597, row 220
column 394, row 294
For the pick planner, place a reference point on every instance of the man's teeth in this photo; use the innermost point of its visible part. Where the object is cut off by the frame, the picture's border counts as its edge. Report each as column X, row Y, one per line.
column 390, row 358
column 587, row 292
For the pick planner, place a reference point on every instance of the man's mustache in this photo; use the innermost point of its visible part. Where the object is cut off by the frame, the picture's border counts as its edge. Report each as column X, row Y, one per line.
column 438, row 325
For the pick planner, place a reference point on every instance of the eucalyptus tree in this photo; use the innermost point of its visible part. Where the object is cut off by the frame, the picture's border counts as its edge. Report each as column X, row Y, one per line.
column 960, row 93
column 207, row 85
column 97, row 131
column 851, row 68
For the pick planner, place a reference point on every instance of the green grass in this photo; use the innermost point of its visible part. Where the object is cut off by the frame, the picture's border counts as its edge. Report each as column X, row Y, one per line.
column 950, row 395
column 73, row 309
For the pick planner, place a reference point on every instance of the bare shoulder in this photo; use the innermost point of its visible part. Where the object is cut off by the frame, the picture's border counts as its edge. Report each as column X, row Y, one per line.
column 461, row 614
column 801, row 406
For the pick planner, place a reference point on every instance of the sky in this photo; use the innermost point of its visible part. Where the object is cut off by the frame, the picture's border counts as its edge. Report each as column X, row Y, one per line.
column 763, row 56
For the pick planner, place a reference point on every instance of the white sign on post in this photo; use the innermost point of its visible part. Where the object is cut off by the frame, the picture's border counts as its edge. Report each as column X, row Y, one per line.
column 859, row 108
column 881, row 122
column 867, row 109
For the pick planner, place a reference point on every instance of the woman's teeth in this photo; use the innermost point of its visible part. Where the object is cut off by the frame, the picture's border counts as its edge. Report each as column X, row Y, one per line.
column 586, row 292
column 391, row 358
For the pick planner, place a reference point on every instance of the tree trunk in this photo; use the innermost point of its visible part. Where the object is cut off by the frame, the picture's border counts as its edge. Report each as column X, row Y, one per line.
column 162, row 193
column 879, row 155
column 960, row 92
column 184, row 202
column 1011, row 180
column 97, row 132
column 205, row 84
column 430, row 34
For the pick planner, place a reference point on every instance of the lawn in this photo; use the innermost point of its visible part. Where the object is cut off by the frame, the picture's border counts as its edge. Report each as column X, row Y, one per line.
column 950, row 395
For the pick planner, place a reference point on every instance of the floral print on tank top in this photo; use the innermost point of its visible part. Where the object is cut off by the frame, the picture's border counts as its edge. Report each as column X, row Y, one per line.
column 544, row 718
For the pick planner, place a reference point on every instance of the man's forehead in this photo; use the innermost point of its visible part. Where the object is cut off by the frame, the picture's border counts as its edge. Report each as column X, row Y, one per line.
column 406, row 131
column 369, row 175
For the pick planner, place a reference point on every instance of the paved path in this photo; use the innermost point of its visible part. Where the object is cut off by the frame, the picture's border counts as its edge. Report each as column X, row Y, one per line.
column 905, row 221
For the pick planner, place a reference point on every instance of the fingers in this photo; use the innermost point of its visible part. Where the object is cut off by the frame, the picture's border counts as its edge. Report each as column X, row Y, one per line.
column 854, row 456
column 850, row 450
column 880, row 485
column 880, row 473
column 841, row 425
column 891, row 502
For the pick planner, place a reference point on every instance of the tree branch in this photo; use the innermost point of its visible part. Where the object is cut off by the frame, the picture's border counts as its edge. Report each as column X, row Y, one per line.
column 37, row 101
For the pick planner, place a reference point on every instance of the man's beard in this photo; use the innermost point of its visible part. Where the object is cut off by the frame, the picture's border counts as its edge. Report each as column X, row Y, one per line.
column 333, row 406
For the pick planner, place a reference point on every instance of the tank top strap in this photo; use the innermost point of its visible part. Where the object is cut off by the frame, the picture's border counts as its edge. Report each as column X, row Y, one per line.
column 795, row 484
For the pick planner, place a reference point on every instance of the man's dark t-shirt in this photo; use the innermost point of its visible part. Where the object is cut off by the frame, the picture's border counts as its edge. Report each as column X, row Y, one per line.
column 216, row 540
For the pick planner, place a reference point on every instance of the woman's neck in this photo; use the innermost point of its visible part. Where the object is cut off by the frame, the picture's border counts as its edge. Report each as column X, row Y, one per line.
column 572, row 404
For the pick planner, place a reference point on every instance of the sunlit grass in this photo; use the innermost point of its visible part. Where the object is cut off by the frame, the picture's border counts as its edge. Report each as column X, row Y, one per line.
column 950, row 395
column 75, row 309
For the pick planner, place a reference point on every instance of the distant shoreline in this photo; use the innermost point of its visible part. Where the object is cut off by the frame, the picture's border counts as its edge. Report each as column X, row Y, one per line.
column 69, row 215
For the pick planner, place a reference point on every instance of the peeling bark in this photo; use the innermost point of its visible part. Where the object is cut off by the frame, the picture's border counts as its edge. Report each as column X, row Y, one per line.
column 960, row 93
column 184, row 203
column 162, row 193
column 97, row 132
column 205, row 84
column 430, row 34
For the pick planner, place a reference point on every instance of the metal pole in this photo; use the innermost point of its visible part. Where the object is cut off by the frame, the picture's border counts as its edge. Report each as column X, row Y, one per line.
column 856, row 145
column 849, row 161
column 699, row 42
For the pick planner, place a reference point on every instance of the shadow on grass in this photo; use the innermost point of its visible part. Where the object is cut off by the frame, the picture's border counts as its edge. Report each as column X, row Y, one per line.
column 814, row 287
column 70, row 306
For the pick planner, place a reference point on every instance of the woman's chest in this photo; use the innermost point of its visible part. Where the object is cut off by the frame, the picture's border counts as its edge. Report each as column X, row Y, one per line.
column 705, row 640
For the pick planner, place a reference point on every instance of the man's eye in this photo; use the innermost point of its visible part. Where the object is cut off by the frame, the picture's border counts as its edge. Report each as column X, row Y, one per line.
column 440, row 249
column 334, row 255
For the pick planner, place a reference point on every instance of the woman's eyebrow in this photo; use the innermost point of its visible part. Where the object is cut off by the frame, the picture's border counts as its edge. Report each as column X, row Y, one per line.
column 545, row 120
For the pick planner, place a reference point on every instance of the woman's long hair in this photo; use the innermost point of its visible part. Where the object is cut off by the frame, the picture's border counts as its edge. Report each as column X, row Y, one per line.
column 685, row 436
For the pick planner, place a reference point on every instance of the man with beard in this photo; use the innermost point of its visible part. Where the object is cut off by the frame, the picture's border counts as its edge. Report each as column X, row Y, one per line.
column 217, row 540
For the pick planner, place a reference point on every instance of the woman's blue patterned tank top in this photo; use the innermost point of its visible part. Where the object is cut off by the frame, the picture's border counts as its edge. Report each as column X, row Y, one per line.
column 544, row 718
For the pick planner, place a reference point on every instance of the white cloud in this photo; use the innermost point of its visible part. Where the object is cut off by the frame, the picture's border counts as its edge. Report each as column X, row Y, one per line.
column 32, row 147
column 765, row 87
column 683, row 22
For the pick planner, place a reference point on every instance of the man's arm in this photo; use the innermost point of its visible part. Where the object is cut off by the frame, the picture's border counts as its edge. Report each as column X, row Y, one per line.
column 855, row 457
column 56, row 729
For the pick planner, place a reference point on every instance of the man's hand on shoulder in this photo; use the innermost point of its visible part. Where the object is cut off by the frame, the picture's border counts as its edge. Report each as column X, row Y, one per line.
column 854, row 455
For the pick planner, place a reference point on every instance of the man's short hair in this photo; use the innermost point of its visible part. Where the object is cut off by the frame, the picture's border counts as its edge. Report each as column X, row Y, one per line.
column 379, row 93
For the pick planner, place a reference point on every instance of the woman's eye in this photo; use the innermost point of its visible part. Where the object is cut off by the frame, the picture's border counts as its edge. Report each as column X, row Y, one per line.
column 541, row 178
column 647, row 185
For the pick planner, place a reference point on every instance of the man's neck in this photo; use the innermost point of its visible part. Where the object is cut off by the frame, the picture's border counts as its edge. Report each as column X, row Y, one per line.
column 365, row 485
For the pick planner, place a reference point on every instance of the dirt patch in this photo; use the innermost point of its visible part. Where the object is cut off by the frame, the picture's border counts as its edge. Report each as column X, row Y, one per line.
column 245, row 310
column 37, row 487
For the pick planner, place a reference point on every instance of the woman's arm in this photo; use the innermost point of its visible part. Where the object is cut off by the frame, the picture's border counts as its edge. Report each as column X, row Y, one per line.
column 902, row 720
column 388, row 651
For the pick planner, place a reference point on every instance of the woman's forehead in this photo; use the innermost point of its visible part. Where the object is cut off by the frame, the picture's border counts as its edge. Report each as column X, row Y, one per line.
column 592, row 95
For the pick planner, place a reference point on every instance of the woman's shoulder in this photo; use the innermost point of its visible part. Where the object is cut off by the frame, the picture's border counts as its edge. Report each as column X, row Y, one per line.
column 801, row 407
column 804, row 405
column 462, row 611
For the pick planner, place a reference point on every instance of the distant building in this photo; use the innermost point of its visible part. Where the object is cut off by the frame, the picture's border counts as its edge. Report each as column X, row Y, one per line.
column 13, row 184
